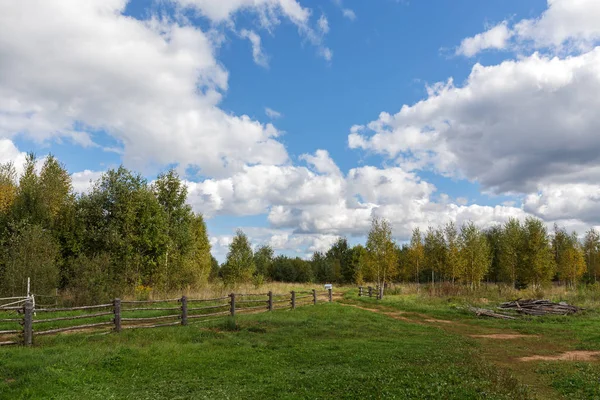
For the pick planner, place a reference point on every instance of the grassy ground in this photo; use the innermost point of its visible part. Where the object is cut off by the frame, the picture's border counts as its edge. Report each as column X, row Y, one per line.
column 548, row 336
column 327, row 351
column 408, row 346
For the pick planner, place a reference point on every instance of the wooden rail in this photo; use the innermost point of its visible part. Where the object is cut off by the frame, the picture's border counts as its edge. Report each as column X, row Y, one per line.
column 242, row 303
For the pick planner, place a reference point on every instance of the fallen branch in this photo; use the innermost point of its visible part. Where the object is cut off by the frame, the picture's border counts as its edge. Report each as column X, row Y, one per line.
column 489, row 313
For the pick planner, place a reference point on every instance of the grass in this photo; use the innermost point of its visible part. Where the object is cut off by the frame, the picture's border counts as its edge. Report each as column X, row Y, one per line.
column 403, row 350
column 313, row 352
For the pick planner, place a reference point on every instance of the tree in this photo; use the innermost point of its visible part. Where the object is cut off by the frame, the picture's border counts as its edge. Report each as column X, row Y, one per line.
column 198, row 260
column 382, row 250
column 416, row 253
column 55, row 189
column 591, row 246
column 511, row 249
column 494, row 238
column 239, row 266
column 475, row 254
column 434, row 250
column 453, row 262
column 571, row 262
column 339, row 260
column 359, row 264
column 263, row 259
column 32, row 253
column 27, row 204
column 538, row 258
column 8, row 187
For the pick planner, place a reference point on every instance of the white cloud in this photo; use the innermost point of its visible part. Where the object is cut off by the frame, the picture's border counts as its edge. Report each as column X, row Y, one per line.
column 269, row 12
column 511, row 127
column 348, row 13
column 257, row 53
column 272, row 113
column 9, row 153
column 566, row 201
column 323, row 24
column 495, row 38
column 567, row 25
column 154, row 86
column 83, row 181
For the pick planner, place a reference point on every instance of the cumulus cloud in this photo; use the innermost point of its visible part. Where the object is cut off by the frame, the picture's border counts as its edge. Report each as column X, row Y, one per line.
column 319, row 201
column 9, row 153
column 154, row 86
column 495, row 38
column 511, row 127
column 567, row 25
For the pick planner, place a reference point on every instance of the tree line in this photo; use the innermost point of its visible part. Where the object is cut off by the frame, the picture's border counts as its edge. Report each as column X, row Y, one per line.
column 517, row 253
column 127, row 233
column 124, row 233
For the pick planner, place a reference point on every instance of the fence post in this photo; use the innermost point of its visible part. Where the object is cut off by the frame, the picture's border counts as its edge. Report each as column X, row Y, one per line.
column 28, row 322
column 117, row 313
column 232, row 304
column 330, row 295
column 270, row 300
column 293, row 299
column 315, row 297
column 360, row 293
column 184, row 312
column 370, row 291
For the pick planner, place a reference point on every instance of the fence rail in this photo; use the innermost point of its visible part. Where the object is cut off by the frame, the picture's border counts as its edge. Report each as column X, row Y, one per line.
column 142, row 313
column 376, row 292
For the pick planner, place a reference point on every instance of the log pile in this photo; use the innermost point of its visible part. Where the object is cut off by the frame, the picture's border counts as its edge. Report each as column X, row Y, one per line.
column 539, row 307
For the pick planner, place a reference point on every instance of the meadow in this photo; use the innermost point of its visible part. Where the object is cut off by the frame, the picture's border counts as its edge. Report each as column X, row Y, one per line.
column 416, row 343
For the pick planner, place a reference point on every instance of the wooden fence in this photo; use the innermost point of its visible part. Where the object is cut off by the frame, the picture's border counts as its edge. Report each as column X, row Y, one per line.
column 121, row 314
column 371, row 291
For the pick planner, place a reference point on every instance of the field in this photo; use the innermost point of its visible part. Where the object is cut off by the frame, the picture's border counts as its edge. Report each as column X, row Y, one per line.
column 410, row 345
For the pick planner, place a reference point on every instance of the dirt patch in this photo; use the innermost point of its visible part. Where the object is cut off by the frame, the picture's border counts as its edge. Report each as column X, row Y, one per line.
column 439, row 321
column 9, row 380
column 566, row 356
column 502, row 336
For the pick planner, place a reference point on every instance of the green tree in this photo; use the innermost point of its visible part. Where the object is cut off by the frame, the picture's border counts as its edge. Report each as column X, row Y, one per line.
column 475, row 254
column 32, row 253
column 538, row 258
column 416, row 253
column 570, row 265
column 382, row 251
column 511, row 251
column 339, row 261
column 359, row 264
column 591, row 246
column 434, row 250
column 453, row 262
column 197, row 265
column 263, row 259
column 239, row 266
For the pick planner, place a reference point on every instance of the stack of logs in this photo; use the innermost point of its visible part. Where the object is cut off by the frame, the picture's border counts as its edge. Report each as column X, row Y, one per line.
column 539, row 307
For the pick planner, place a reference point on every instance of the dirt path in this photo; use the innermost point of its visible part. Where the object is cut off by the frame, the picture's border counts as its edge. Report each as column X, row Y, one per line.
column 505, row 348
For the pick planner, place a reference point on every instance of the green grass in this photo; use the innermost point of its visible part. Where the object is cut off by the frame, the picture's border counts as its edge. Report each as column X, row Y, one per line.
column 327, row 351
column 553, row 335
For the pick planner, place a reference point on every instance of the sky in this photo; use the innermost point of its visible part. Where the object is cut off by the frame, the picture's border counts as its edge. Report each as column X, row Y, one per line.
column 299, row 121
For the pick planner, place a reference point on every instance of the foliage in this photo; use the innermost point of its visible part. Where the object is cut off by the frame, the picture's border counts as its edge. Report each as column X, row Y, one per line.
column 239, row 266
column 381, row 251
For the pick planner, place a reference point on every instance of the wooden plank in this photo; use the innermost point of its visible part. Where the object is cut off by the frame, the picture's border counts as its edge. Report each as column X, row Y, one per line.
column 73, row 308
column 72, row 328
column 36, row 321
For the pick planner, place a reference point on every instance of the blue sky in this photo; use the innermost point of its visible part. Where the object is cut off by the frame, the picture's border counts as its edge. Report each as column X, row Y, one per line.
column 156, row 84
